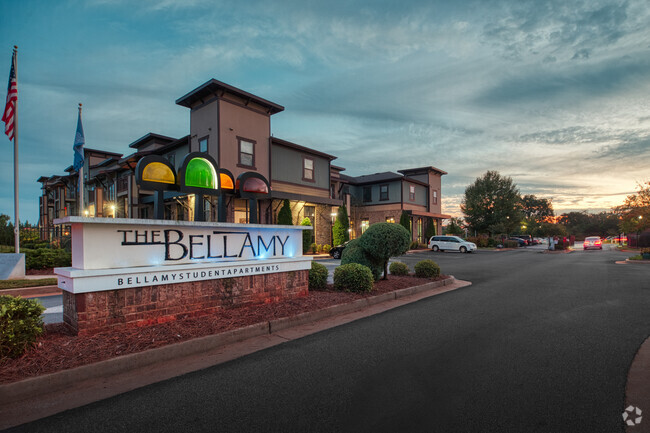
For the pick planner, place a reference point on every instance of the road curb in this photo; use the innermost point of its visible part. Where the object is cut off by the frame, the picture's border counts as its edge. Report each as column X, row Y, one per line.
column 637, row 391
column 62, row 380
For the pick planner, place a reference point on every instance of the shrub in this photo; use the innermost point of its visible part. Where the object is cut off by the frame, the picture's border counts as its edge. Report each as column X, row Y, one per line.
column 306, row 235
column 398, row 268
column 317, row 276
column 381, row 241
column 353, row 277
column 353, row 253
column 510, row 244
column 340, row 232
column 313, row 248
column 284, row 216
column 491, row 242
column 326, row 248
column 414, row 245
column 427, row 269
column 20, row 325
column 47, row 258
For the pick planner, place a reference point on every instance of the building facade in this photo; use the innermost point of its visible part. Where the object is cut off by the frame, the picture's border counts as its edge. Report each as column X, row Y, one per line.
column 234, row 128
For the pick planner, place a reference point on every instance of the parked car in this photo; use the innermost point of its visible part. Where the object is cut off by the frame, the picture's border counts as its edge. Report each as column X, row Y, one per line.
column 527, row 238
column 337, row 251
column 592, row 243
column 520, row 241
column 441, row 243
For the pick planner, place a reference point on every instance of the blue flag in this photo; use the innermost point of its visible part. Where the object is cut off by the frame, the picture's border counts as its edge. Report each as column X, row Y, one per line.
column 78, row 146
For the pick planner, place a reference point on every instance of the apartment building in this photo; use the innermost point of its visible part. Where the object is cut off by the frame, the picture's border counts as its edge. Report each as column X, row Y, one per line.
column 234, row 128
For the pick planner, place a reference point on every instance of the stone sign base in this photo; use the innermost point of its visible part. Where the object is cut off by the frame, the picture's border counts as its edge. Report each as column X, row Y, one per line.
column 95, row 311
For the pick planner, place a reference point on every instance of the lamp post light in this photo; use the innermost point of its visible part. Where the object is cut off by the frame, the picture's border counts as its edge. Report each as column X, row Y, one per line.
column 113, row 209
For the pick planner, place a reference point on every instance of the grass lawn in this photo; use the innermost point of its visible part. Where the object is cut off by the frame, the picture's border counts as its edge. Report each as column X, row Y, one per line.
column 17, row 284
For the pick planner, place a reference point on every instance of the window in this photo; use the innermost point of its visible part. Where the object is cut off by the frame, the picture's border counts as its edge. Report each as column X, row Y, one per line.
column 203, row 144
column 412, row 192
column 390, row 220
column 246, row 153
column 383, row 192
column 241, row 211
column 365, row 223
column 434, row 199
column 367, row 193
column 307, row 169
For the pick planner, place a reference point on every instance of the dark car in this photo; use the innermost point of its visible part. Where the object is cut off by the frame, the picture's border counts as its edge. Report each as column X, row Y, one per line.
column 336, row 251
column 522, row 243
column 527, row 238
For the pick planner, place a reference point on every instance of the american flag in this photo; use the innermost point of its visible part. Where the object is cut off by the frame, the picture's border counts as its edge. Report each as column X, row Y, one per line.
column 12, row 97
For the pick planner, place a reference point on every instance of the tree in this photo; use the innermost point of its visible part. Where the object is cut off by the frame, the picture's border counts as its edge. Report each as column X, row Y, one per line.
column 405, row 221
column 381, row 241
column 635, row 210
column 537, row 210
column 430, row 230
column 490, row 201
column 6, row 230
column 454, row 227
column 340, row 233
column 306, row 235
column 284, row 216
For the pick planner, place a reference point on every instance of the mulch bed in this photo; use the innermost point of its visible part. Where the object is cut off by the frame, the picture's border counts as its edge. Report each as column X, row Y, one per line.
column 57, row 350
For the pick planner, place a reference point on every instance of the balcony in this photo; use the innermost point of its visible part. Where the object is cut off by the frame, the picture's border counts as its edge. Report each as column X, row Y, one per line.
column 122, row 184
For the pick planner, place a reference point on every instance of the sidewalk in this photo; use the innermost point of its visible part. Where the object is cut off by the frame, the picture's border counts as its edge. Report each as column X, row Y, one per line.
column 42, row 396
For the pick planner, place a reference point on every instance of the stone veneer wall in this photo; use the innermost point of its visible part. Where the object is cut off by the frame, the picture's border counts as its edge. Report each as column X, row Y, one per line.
column 141, row 306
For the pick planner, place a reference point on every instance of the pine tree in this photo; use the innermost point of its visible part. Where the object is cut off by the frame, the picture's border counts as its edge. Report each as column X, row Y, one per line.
column 405, row 221
column 284, row 216
column 340, row 231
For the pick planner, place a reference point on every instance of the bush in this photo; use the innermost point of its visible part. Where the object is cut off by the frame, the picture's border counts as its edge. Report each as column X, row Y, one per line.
column 46, row 258
column 20, row 325
column 353, row 253
column 326, row 248
column 427, row 269
column 398, row 268
column 510, row 244
column 353, row 277
column 284, row 216
column 381, row 241
column 317, row 276
column 480, row 241
column 414, row 245
column 491, row 242
column 306, row 235
column 313, row 248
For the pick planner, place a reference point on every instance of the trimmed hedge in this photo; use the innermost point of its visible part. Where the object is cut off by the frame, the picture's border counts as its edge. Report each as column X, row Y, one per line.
column 353, row 277
column 353, row 253
column 317, row 276
column 427, row 269
column 42, row 258
column 20, row 325
column 398, row 268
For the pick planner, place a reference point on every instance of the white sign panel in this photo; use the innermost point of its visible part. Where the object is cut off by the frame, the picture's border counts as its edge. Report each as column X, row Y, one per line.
column 109, row 243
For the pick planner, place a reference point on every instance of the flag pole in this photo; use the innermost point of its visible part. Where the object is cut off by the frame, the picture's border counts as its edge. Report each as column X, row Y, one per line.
column 16, row 217
column 81, row 179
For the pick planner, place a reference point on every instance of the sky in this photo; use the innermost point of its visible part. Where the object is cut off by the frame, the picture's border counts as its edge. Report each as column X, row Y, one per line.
column 554, row 94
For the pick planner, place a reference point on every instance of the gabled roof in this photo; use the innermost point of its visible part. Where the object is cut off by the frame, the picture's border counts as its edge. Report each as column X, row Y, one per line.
column 216, row 87
column 385, row 176
column 421, row 170
column 302, row 148
column 163, row 139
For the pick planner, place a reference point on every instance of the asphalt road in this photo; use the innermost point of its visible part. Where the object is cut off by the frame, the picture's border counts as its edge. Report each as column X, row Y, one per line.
column 539, row 343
